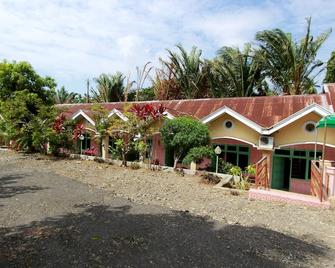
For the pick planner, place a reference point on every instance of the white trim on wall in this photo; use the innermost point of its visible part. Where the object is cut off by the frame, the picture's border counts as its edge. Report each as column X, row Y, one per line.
column 316, row 108
column 233, row 138
column 83, row 114
column 236, row 115
column 168, row 115
column 119, row 114
column 303, row 143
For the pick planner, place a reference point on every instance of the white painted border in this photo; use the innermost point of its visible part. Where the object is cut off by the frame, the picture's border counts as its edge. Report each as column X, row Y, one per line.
column 303, row 143
column 83, row 114
column 316, row 108
column 233, row 138
column 236, row 115
column 168, row 115
column 119, row 114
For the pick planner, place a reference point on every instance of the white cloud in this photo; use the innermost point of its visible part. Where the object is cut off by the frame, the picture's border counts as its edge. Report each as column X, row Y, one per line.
column 74, row 40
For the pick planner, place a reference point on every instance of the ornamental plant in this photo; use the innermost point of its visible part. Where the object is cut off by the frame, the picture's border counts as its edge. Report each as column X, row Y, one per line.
column 197, row 154
column 182, row 134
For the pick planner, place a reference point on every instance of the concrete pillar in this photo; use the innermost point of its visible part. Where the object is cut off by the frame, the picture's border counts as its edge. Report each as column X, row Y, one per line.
column 105, row 149
column 193, row 166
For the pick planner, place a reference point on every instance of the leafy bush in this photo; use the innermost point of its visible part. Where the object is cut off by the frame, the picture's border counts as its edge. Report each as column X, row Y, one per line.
column 224, row 167
column 182, row 134
column 210, row 178
column 197, row 154
column 235, row 171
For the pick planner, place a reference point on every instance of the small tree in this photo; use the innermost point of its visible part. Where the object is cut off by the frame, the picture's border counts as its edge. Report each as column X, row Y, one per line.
column 182, row 134
column 133, row 133
column 27, row 120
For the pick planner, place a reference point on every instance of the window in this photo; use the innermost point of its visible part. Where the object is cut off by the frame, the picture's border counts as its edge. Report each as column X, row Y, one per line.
column 228, row 124
column 86, row 142
column 309, row 126
column 235, row 154
column 299, row 162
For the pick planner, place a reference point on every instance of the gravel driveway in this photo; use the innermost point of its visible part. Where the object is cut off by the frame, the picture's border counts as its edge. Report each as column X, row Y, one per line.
column 50, row 220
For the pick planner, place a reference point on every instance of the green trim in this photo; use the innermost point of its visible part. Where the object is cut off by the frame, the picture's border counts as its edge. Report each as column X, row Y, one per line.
column 232, row 148
column 294, row 154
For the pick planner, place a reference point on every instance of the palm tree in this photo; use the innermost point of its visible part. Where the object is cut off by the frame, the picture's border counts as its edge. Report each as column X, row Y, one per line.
column 237, row 73
column 189, row 72
column 292, row 67
column 63, row 96
column 109, row 88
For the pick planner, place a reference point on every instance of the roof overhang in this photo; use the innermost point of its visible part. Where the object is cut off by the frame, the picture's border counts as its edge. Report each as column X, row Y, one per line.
column 313, row 108
column 168, row 115
column 119, row 114
column 83, row 114
column 226, row 110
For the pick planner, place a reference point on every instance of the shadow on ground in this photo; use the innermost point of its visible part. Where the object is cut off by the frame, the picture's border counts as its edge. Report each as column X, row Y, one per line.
column 114, row 236
column 9, row 186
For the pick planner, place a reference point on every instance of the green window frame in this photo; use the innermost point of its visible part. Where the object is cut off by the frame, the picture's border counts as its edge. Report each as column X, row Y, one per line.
column 86, row 142
column 231, row 149
column 296, row 155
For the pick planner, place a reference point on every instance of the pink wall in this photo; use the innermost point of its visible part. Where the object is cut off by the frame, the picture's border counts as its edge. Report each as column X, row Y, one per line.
column 158, row 152
column 300, row 186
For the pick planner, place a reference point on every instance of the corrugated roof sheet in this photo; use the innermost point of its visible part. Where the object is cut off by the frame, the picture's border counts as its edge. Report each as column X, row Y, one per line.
column 265, row 111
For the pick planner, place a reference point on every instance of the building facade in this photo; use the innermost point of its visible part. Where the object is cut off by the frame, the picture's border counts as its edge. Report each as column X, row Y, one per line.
column 246, row 129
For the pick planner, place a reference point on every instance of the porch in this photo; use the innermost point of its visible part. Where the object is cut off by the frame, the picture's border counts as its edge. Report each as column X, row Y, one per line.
column 321, row 186
column 287, row 197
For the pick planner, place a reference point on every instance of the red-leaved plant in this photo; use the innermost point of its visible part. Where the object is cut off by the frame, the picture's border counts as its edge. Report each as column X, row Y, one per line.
column 144, row 112
column 58, row 125
column 78, row 130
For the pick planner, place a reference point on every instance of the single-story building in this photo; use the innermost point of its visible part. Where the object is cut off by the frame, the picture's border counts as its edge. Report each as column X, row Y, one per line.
column 247, row 129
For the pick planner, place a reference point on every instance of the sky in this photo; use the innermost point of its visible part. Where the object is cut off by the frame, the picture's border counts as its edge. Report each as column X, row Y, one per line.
column 72, row 41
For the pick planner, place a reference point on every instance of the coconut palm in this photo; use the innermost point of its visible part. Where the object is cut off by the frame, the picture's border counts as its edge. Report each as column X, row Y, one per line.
column 188, row 70
column 291, row 66
column 109, row 88
column 63, row 96
column 238, row 73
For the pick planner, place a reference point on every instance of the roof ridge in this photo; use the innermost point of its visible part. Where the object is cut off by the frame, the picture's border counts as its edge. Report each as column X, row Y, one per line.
column 202, row 99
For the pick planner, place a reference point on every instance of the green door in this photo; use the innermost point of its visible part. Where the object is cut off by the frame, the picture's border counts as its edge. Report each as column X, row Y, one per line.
column 280, row 173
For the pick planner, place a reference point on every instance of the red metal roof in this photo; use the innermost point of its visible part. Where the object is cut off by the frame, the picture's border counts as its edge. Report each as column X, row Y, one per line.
column 265, row 111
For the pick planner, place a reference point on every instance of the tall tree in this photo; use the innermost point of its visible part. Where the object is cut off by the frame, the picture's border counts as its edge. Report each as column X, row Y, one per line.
column 239, row 73
column 18, row 76
column 187, row 71
column 109, row 88
column 291, row 66
column 63, row 96
column 330, row 74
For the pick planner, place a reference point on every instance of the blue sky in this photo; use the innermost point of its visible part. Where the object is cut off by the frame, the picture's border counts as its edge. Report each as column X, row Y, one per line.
column 75, row 40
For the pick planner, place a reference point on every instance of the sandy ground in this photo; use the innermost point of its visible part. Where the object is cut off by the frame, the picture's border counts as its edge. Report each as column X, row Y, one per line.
column 45, row 202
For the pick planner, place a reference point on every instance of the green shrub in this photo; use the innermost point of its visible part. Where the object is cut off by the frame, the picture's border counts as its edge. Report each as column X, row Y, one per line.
column 224, row 167
column 197, row 154
column 235, row 171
